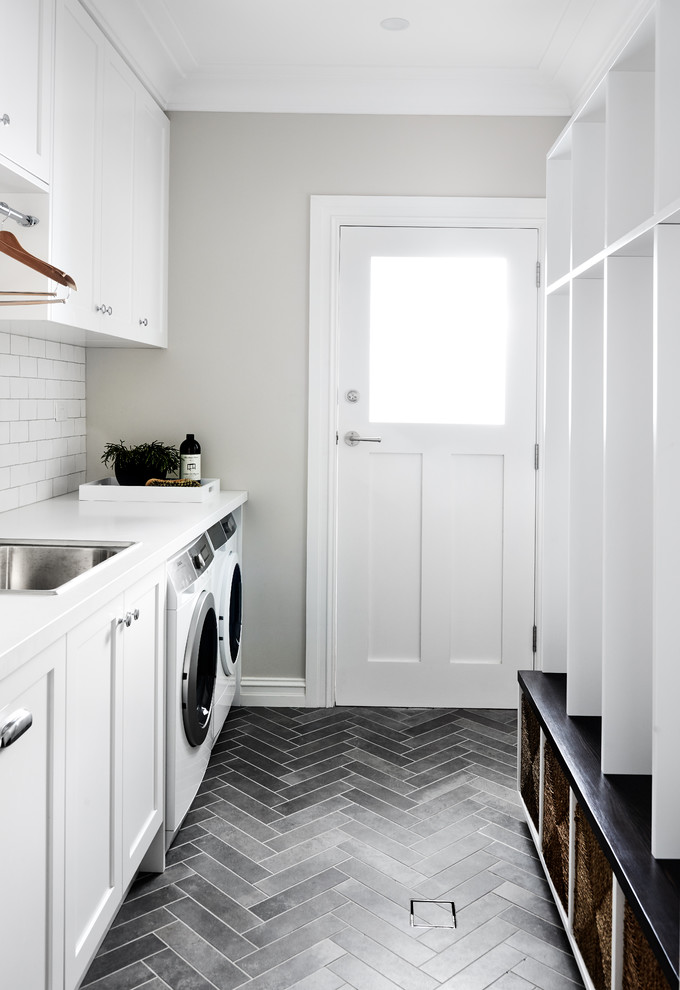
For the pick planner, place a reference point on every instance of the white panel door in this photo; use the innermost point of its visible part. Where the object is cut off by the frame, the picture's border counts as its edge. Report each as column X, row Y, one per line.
column 436, row 505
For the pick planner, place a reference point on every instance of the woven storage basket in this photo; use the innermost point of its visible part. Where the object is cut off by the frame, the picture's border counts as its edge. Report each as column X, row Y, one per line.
column 641, row 971
column 556, row 824
column 530, row 760
column 593, row 904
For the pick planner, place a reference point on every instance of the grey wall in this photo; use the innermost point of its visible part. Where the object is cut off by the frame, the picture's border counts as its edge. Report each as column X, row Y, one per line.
column 235, row 372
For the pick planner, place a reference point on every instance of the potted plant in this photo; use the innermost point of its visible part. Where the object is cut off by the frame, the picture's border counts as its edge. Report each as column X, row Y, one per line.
column 134, row 465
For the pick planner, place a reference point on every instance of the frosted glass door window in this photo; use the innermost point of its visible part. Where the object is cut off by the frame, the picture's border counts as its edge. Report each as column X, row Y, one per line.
column 438, row 336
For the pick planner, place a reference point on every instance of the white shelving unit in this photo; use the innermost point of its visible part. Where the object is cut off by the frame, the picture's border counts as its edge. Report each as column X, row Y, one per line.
column 611, row 591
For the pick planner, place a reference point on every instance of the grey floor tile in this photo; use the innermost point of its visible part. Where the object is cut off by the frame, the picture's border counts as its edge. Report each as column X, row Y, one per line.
column 124, row 956
column 176, row 973
column 386, row 962
column 283, row 924
column 270, row 956
column 305, row 870
column 361, row 976
column 292, row 972
column 469, row 949
column 202, row 956
column 269, row 907
column 211, row 928
column 128, row 978
column 484, row 971
column 310, row 834
column 544, row 977
column 209, row 890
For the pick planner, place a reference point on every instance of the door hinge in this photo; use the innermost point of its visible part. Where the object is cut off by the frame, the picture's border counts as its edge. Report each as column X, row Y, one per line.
column 538, row 274
column 535, row 457
column 534, row 639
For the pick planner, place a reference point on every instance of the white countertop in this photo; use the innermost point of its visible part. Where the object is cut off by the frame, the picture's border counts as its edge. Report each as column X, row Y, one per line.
column 30, row 622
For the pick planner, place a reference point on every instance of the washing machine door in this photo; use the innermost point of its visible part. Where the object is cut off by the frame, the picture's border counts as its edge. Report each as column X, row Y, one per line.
column 200, row 670
column 231, row 614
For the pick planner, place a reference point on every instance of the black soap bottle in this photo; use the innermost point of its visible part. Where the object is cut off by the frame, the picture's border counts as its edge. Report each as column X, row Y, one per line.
column 190, row 458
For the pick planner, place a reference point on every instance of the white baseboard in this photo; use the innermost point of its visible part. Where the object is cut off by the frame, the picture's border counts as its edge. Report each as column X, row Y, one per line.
column 273, row 692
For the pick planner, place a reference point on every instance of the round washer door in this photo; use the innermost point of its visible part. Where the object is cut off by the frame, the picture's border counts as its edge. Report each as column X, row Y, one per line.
column 200, row 670
column 231, row 613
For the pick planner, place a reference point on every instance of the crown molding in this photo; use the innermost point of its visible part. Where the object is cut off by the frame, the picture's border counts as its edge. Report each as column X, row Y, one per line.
column 350, row 90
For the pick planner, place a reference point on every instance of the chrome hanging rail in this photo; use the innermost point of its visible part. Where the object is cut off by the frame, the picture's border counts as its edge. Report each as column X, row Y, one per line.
column 21, row 218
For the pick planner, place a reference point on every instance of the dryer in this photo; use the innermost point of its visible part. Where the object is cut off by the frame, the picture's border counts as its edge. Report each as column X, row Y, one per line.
column 192, row 661
column 225, row 538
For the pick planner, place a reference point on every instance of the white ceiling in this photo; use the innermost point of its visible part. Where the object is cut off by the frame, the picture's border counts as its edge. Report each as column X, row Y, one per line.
column 332, row 56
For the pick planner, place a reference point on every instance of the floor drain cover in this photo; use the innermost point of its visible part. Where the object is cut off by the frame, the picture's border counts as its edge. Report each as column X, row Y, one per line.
column 442, row 913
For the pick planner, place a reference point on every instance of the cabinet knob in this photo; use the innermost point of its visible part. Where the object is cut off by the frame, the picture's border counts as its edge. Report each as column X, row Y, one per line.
column 144, row 322
column 5, row 119
column 12, row 728
column 135, row 614
column 127, row 619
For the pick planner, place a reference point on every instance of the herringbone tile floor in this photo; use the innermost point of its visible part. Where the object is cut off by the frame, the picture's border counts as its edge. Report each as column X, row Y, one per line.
column 312, row 832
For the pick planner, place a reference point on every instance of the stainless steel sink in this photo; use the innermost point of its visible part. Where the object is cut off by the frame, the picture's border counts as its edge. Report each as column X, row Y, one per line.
column 45, row 566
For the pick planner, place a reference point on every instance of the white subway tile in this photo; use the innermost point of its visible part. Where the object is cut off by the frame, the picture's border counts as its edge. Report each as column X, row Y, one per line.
column 52, row 467
column 52, row 349
column 28, row 494
column 52, row 428
column 68, row 465
column 45, row 368
column 37, row 429
column 9, row 454
column 43, row 490
column 28, row 367
column 4, row 387
column 4, row 343
column 44, row 409
column 19, row 431
column 9, row 409
column 5, row 478
column 19, row 345
column 28, row 452
column 59, row 487
column 45, row 450
column 36, row 347
column 37, row 388
column 18, row 388
column 9, row 499
column 4, row 432
column 10, row 364
column 28, row 409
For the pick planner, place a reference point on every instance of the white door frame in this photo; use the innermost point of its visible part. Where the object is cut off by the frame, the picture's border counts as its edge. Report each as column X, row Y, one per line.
column 328, row 215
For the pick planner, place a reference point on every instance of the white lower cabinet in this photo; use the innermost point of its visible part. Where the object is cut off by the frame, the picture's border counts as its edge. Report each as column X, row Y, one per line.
column 31, row 823
column 114, row 761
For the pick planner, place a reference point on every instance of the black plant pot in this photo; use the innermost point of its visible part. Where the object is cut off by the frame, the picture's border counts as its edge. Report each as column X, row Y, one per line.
column 136, row 474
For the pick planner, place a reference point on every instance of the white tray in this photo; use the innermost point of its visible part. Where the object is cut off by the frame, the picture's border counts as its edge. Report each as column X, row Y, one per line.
column 108, row 490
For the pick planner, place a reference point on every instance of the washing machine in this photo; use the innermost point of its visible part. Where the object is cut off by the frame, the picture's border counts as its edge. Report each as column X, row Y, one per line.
column 192, row 661
column 225, row 538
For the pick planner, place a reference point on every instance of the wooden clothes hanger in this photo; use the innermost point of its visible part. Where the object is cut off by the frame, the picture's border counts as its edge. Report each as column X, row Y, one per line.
column 10, row 246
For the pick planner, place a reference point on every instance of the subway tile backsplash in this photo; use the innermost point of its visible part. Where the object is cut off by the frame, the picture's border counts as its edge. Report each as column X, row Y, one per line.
column 42, row 419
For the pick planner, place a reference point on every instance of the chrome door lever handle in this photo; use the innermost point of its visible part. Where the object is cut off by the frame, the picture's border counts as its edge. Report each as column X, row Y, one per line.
column 352, row 439
column 12, row 728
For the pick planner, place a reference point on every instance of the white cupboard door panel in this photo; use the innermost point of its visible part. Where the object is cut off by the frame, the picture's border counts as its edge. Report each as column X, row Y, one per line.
column 93, row 874
column 31, row 795
column 142, row 724
column 150, row 243
column 77, row 187
column 25, row 86
column 117, row 196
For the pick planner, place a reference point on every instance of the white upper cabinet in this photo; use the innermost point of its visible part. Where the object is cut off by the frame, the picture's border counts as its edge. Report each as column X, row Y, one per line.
column 93, row 188
column 104, row 218
column 25, row 88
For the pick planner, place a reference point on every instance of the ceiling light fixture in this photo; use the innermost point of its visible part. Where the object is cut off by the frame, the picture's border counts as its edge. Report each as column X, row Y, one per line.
column 394, row 24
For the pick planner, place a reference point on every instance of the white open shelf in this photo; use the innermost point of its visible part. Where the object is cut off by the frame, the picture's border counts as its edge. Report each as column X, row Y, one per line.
column 611, row 461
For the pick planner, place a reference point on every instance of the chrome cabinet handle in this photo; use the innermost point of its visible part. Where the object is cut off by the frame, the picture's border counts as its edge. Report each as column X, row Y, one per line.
column 135, row 614
column 352, row 439
column 103, row 309
column 19, row 722
column 127, row 619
